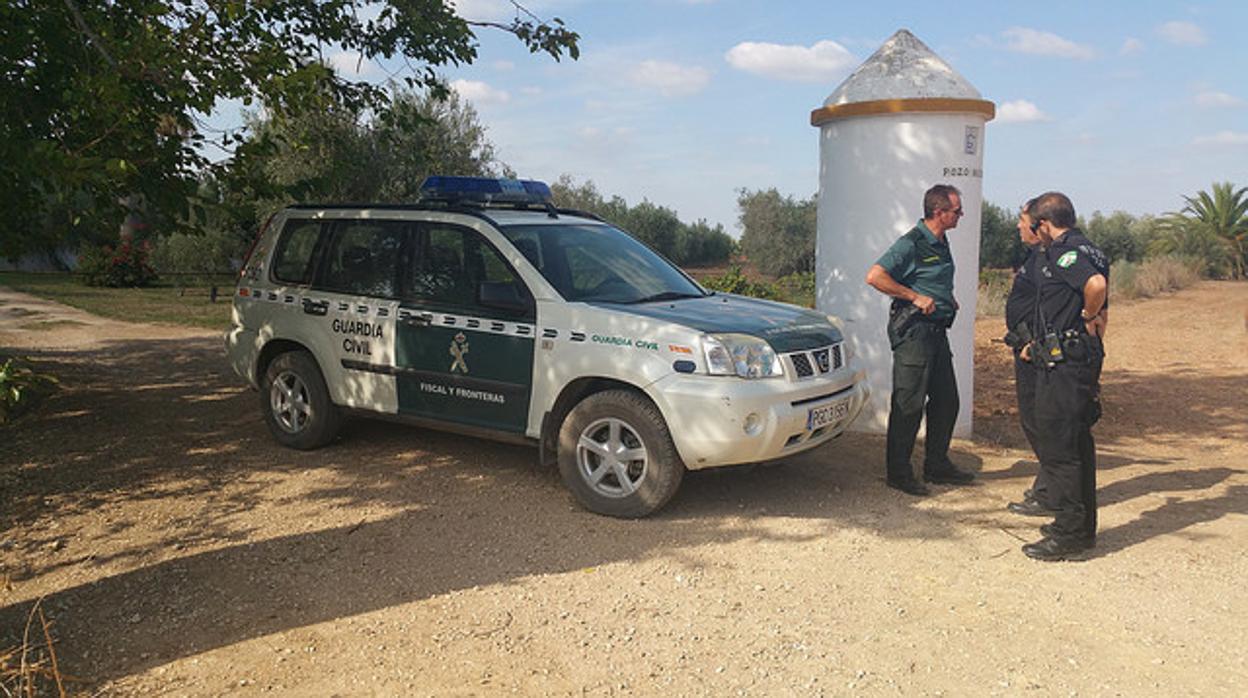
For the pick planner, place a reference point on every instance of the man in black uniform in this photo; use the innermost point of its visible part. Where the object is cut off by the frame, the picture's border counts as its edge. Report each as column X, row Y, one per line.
column 1020, row 308
column 1068, row 325
column 917, row 271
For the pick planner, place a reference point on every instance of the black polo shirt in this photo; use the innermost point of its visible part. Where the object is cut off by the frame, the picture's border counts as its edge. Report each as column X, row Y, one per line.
column 1065, row 267
column 1020, row 305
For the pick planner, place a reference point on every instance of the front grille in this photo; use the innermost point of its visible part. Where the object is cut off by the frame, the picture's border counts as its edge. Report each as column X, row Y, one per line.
column 821, row 358
column 817, row 361
column 801, row 365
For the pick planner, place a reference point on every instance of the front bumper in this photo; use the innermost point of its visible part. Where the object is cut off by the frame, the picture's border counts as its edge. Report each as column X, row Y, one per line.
column 720, row 420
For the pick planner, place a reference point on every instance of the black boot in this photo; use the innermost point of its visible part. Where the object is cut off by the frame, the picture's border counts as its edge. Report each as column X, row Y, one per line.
column 1030, row 507
column 947, row 474
column 1053, row 549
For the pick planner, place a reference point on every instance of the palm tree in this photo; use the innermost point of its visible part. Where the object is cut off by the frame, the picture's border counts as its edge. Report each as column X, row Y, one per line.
column 1211, row 228
column 1225, row 215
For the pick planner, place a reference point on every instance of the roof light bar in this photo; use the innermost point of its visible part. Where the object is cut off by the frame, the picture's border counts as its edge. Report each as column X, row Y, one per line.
column 485, row 190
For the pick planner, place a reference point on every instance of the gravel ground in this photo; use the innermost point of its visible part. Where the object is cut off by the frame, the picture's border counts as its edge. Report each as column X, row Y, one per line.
column 178, row 550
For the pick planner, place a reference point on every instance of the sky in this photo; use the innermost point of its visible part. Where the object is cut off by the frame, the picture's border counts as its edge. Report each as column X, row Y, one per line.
column 1122, row 105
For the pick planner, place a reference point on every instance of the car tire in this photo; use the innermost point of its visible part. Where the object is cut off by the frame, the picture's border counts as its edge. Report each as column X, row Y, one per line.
column 596, row 433
column 296, row 402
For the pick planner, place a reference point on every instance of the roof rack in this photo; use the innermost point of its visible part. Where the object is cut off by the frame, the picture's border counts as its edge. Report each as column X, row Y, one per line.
column 473, row 194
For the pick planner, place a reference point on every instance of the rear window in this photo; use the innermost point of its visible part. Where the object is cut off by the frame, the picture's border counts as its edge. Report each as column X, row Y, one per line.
column 292, row 263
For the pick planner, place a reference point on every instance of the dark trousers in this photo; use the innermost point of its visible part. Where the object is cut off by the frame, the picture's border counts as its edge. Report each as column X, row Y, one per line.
column 923, row 382
column 1067, row 405
column 1025, row 389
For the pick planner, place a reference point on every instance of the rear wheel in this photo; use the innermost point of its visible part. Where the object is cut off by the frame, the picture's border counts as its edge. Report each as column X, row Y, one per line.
column 616, row 455
column 296, row 402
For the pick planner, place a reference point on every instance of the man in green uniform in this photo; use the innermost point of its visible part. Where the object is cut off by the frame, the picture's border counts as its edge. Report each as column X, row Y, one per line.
column 917, row 272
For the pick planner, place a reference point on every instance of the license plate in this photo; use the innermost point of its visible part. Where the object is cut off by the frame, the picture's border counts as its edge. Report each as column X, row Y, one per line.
column 824, row 415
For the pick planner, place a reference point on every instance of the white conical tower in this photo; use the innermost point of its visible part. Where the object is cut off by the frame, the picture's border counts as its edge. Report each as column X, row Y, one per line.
column 904, row 121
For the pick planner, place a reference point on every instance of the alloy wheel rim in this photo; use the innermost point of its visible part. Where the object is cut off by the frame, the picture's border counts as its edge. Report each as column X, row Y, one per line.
column 612, row 458
column 288, row 399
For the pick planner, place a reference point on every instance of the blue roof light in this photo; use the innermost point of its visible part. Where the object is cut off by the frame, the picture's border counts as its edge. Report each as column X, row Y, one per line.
column 485, row 190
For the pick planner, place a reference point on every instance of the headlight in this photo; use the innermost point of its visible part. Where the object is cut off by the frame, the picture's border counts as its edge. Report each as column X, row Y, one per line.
column 740, row 355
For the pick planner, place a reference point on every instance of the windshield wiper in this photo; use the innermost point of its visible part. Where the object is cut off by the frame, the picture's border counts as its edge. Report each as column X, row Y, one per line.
column 666, row 296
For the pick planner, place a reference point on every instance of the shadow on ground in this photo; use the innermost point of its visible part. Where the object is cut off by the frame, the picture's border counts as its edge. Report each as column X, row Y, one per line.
column 166, row 421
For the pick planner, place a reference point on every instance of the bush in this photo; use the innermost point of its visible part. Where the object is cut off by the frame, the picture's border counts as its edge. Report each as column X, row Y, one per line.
column 193, row 258
column 123, row 266
column 20, row 388
column 798, row 288
column 1153, row 276
column 733, row 281
column 994, row 288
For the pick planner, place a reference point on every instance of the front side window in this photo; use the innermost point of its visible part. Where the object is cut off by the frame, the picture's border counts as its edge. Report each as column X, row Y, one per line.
column 292, row 263
column 598, row 263
column 450, row 265
column 363, row 258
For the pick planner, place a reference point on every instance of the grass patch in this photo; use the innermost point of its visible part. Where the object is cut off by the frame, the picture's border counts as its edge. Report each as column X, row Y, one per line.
column 190, row 306
column 51, row 324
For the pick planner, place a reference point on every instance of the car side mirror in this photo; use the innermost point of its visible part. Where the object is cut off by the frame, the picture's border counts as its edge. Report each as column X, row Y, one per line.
column 503, row 295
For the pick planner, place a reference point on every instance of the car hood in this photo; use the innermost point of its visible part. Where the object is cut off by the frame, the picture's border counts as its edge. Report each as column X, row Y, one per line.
column 785, row 327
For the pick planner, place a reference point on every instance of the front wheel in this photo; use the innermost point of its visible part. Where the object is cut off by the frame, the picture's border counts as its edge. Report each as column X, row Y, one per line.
column 296, row 402
column 616, row 455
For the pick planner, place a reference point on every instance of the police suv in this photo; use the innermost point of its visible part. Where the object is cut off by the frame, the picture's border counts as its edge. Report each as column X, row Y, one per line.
column 484, row 310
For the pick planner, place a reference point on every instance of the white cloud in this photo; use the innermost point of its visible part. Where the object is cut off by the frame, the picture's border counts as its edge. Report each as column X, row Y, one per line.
column 1039, row 43
column 822, row 62
column 1212, row 99
column 345, row 62
column 484, row 10
column 479, row 93
column 1020, row 111
column 1223, row 138
column 1182, row 34
column 670, row 79
column 1131, row 46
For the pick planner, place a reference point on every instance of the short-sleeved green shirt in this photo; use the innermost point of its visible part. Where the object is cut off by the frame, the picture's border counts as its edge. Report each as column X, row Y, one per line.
column 924, row 264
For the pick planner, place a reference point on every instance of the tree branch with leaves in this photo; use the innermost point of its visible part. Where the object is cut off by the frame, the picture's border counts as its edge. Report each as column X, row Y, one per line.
column 103, row 101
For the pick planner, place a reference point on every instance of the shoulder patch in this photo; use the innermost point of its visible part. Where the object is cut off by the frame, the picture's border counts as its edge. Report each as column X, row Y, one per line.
column 1067, row 259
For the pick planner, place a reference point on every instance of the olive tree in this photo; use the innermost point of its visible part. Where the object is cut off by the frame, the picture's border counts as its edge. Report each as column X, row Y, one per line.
column 103, row 102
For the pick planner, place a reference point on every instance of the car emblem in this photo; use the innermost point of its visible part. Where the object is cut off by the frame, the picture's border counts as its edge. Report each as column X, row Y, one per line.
column 459, row 347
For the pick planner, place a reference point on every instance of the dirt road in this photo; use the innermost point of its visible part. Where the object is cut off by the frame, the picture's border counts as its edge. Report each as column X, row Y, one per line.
column 180, row 551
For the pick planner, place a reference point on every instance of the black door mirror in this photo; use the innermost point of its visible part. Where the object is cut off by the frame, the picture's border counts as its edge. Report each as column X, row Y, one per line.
column 503, row 295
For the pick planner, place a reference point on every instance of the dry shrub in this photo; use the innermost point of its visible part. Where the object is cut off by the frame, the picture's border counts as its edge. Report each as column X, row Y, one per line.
column 31, row 669
column 994, row 288
column 1151, row 277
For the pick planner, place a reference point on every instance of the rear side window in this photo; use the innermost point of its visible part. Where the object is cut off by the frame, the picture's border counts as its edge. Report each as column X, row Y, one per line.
column 363, row 258
column 292, row 262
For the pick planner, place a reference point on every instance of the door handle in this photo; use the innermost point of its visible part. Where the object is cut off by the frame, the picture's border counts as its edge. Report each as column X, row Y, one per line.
column 312, row 307
column 416, row 320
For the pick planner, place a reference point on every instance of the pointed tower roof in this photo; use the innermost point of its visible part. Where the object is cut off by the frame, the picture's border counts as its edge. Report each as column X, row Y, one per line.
column 902, row 75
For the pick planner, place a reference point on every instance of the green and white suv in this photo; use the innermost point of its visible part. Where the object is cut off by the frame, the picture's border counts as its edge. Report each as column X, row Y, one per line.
column 484, row 310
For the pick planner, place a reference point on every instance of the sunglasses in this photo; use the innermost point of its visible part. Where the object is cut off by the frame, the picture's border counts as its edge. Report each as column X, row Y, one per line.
column 955, row 211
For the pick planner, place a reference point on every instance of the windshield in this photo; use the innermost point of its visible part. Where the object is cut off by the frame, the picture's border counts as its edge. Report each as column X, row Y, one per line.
column 594, row 262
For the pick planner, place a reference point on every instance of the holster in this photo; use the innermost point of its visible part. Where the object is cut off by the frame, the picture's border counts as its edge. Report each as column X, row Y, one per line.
column 901, row 317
